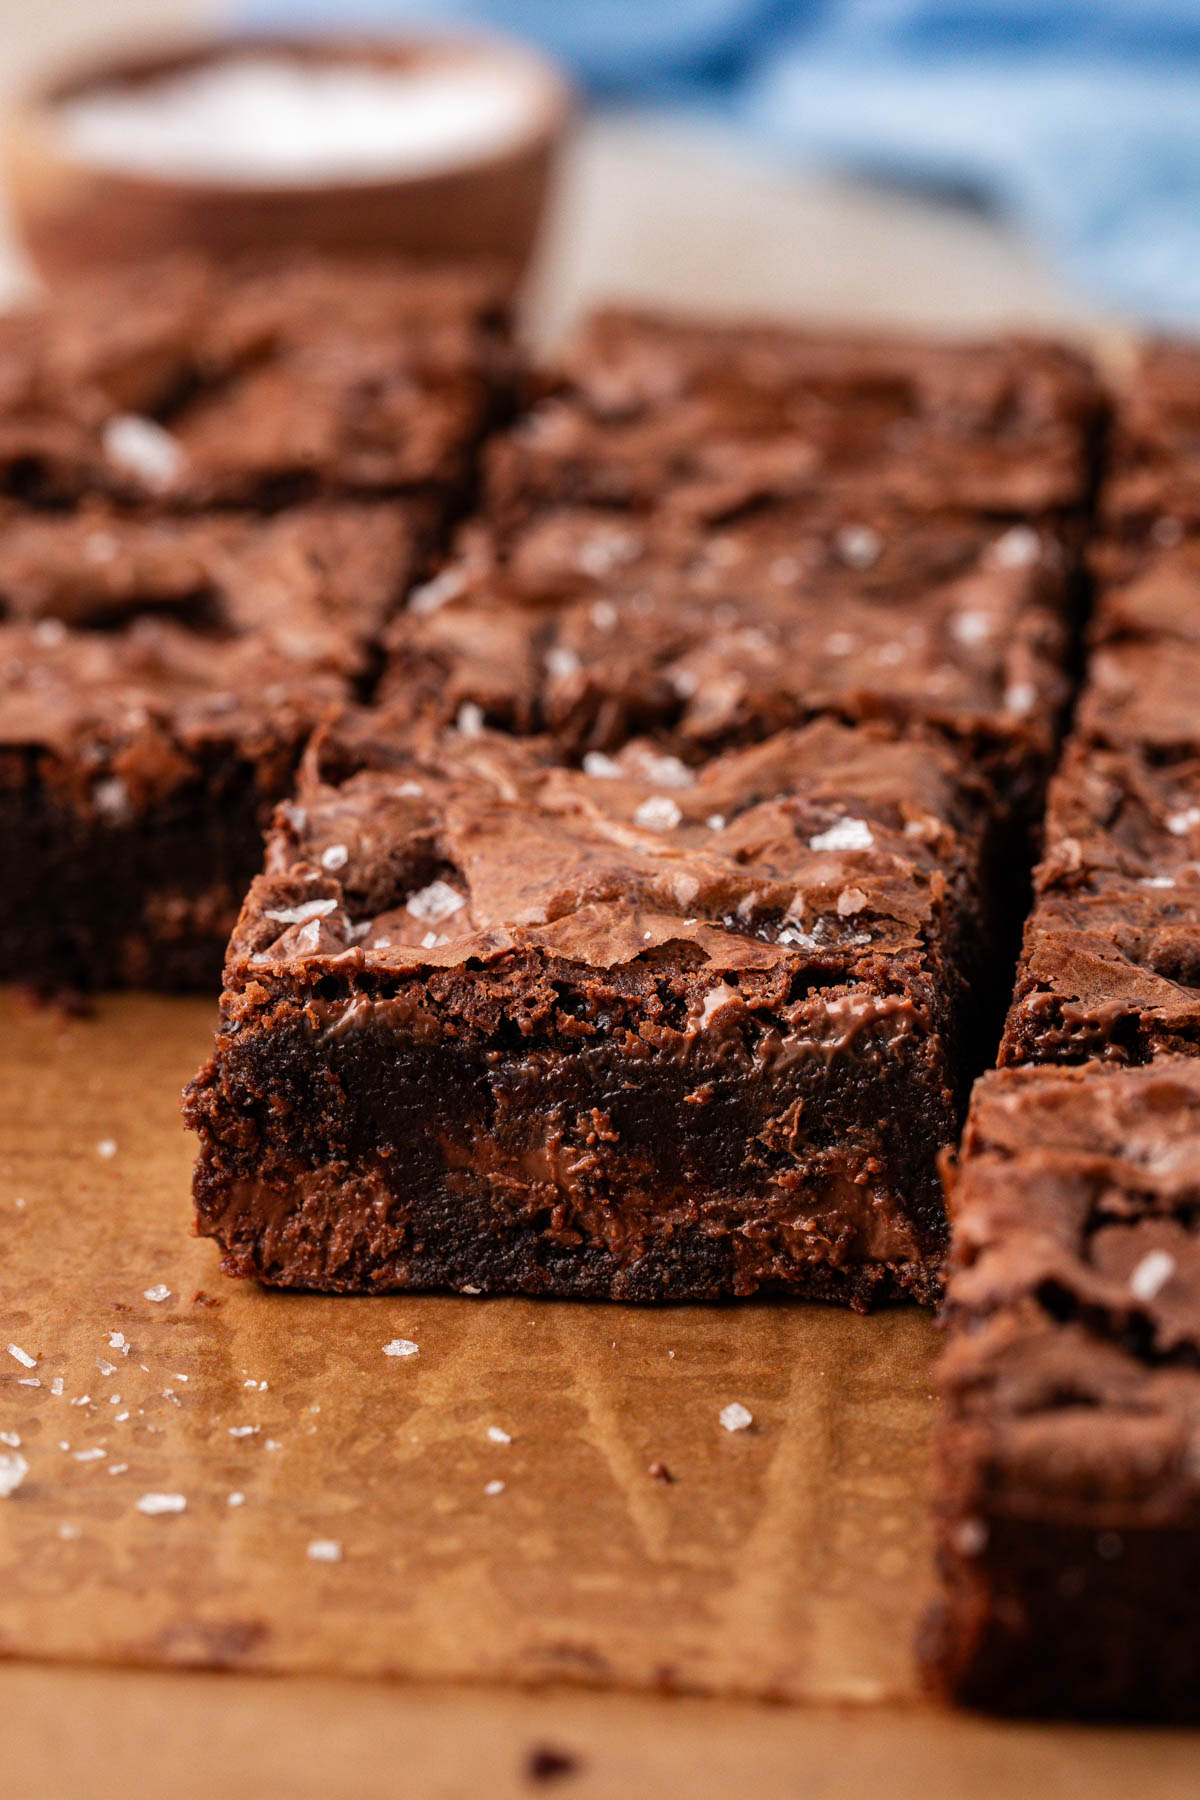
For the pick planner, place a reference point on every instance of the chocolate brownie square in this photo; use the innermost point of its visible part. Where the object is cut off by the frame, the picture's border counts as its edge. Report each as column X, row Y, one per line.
column 158, row 679
column 1067, row 1476
column 710, row 420
column 182, row 383
column 641, row 1031
column 594, row 629
column 1110, row 967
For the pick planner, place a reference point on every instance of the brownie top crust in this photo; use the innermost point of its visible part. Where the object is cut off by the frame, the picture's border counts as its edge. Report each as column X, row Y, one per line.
column 709, row 418
column 595, row 630
column 1149, row 590
column 126, row 643
column 1075, row 1291
column 1154, row 474
column 186, row 383
column 823, row 848
column 1141, row 694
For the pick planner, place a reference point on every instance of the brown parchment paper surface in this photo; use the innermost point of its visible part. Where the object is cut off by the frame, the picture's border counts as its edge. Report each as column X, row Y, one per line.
column 789, row 1560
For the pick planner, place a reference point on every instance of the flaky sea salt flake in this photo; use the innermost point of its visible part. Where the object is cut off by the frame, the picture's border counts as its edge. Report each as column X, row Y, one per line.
column 658, row 813
column 13, row 1470
column 142, row 448
column 1151, row 1275
column 846, row 834
column 436, row 902
column 154, row 1504
column 300, row 915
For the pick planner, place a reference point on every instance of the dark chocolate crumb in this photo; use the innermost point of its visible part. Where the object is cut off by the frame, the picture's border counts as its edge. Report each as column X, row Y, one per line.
column 546, row 1763
column 660, row 1472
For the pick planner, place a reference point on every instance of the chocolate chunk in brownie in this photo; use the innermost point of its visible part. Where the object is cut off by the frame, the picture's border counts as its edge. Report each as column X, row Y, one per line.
column 1068, row 1480
column 595, row 628
column 641, row 1031
column 1111, row 962
column 708, row 420
column 182, row 383
column 158, row 679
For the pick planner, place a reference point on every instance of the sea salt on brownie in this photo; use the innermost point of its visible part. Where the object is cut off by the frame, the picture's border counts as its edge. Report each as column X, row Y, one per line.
column 708, row 420
column 158, row 680
column 1067, row 1468
column 640, row 1031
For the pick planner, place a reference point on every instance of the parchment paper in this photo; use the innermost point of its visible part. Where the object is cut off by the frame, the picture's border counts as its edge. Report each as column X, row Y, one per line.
column 787, row 1560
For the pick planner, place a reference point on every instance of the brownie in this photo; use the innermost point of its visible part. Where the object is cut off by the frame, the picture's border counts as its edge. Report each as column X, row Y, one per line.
column 711, row 420
column 1149, row 590
column 594, row 629
column 1110, row 967
column 158, row 680
column 1068, row 1484
column 1153, row 481
column 640, row 1031
column 183, row 383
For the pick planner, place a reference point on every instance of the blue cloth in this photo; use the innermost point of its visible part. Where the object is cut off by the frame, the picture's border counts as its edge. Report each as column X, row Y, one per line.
column 1082, row 121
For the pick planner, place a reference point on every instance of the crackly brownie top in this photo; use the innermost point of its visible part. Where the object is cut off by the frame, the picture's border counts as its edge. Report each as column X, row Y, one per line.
column 1141, row 692
column 1075, row 1286
column 651, row 410
column 596, row 629
column 1115, row 929
column 184, row 382
column 1154, row 459
column 1143, row 674
column 823, row 848
column 1147, row 590
column 116, row 631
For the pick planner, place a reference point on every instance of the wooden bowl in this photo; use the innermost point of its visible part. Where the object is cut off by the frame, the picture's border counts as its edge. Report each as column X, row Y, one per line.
column 74, row 214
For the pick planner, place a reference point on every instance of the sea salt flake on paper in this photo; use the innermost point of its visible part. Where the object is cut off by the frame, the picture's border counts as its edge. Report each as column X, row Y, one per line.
column 13, row 1470
column 154, row 1504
